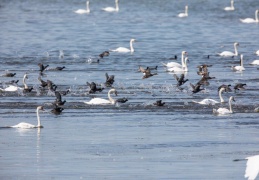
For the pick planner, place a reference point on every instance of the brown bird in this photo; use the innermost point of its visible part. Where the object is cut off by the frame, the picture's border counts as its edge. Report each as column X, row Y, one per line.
column 146, row 72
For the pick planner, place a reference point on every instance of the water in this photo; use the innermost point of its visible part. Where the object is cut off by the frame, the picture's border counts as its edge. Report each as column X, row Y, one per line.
column 135, row 140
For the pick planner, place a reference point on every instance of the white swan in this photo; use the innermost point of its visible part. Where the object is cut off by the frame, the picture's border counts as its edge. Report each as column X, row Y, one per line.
column 125, row 50
column 112, row 9
column 185, row 14
column 231, row 8
column 100, row 101
column 24, row 125
column 225, row 110
column 84, row 11
column 230, row 54
column 251, row 20
column 12, row 88
column 175, row 64
column 212, row 101
column 257, row 52
column 252, row 167
column 255, row 62
column 180, row 69
column 241, row 67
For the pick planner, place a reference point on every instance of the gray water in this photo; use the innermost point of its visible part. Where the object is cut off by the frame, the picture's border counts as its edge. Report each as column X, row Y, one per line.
column 134, row 140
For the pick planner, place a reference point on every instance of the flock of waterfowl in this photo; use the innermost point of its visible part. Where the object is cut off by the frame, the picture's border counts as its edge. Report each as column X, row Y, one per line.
column 178, row 70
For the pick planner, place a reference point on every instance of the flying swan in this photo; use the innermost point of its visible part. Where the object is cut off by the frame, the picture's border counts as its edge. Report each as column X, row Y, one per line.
column 112, row 9
column 230, row 54
column 24, row 125
column 224, row 111
column 83, row 11
column 212, row 101
column 100, row 101
column 125, row 50
column 251, row 20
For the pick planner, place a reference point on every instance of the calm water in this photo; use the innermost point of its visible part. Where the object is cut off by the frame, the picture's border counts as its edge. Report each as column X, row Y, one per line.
column 135, row 140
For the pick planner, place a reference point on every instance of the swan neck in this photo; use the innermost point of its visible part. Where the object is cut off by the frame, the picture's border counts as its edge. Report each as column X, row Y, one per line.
column 241, row 62
column 24, row 82
column 220, row 95
column 38, row 117
column 186, row 10
column 116, row 5
column 131, row 46
column 235, row 47
column 109, row 96
column 185, row 65
column 230, row 105
column 256, row 16
column 87, row 6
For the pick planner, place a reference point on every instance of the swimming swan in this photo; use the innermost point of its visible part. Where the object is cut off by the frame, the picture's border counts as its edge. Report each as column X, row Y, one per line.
column 24, row 125
column 212, row 101
column 100, row 101
column 125, row 50
column 12, row 88
column 182, row 69
column 225, row 110
column 175, row 64
column 83, row 11
column 112, row 9
column 230, row 54
column 185, row 14
column 255, row 62
column 241, row 67
column 252, row 167
column 231, row 8
column 251, row 20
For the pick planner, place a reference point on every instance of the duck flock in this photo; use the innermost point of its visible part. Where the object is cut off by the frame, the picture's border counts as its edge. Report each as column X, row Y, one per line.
column 112, row 93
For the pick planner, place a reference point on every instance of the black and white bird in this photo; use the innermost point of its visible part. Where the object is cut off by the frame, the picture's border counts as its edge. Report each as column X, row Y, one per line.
column 58, row 100
column 180, row 80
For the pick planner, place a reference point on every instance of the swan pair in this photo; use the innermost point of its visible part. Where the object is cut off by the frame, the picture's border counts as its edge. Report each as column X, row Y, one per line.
column 125, row 50
column 230, row 54
column 83, row 11
column 100, row 101
column 12, row 88
column 185, row 14
column 24, row 125
column 251, row 20
column 231, row 8
column 176, row 67
column 212, row 101
column 241, row 67
column 225, row 111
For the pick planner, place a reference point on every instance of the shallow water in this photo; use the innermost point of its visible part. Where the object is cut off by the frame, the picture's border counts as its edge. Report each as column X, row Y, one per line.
column 135, row 140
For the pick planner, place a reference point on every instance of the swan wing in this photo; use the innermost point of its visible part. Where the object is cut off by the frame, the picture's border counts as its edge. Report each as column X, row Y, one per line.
column 252, row 167
column 182, row 15
column 12, row 88
column 24, row 125
column 226, row 53
column 109, row 9
column 121, row 49
column 255, row 62
column 248, row 20
column 81, row 11
column 98, row 101
column 172, row 64
column 223, row 111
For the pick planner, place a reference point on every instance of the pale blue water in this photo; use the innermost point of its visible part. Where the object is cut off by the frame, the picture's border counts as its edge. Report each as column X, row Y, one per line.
column 135, row 140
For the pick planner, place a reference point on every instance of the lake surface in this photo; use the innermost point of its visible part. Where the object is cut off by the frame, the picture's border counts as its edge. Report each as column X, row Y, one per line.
column 134, row 140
